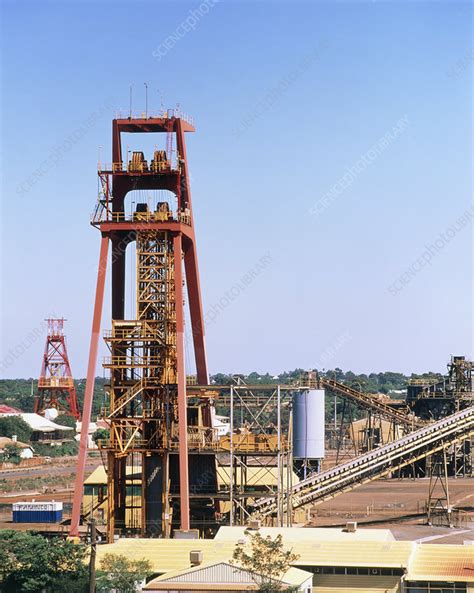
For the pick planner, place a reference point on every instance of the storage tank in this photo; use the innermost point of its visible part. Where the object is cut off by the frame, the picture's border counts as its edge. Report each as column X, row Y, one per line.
column 308, row 424
column 51, row 414
column 37, row 512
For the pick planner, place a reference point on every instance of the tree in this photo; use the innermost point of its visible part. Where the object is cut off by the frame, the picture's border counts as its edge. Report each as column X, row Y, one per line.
column 267, row 560
column 10, row 425
column 121, row 574
column 12, row 453
column 101, row 434
column 30, row 563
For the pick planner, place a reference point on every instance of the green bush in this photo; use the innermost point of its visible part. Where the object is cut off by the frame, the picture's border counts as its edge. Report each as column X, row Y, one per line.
column 10, row 425
column 30, row 563
column 70, row 448
column 12, row 454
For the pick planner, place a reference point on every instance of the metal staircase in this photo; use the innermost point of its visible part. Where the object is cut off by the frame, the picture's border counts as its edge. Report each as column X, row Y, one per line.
column 131, row 394
column 378, row 463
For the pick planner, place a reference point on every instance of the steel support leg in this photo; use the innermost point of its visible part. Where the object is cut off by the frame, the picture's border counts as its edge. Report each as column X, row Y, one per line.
column 182, row 405
column 195, row 309
column 89, row 392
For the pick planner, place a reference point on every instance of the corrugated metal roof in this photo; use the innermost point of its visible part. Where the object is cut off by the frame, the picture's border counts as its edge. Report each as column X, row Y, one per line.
column 223, row 573
column 7, row 410
column 37, row 422
column 422, row 561
column 99, row 475
column 355, row 553
column 188, row 587
column 166, row 555
column 226, row 573
column 4, row 441
column 308, row 534
column 219, row 572
column 442, row 562
column 355, row 584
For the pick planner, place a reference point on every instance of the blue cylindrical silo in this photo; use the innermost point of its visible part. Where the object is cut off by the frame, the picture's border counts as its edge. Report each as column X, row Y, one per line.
column 308, row 424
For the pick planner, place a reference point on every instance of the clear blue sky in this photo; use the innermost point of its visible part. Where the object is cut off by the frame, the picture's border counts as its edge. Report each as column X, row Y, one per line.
column 286, row 96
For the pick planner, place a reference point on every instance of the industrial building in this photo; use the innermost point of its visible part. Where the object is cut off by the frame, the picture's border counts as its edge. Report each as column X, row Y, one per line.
column 368, row 560
column 259, row 481
column 43, row 430
column 26, row 451
column 225, row 576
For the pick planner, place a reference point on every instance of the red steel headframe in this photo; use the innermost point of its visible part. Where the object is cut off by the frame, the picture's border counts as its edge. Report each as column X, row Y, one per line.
column 56, row 384
column 119, row 231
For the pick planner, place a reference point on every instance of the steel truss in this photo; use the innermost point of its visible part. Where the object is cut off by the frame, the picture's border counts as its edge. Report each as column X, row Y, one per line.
column 372, row 403
column 56, row 387
column 257, row 441
column 438, row 507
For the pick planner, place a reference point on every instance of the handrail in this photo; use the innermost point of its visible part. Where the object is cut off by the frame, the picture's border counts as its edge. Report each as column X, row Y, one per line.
column 132, row 361
column 123, row 400
column 162, row 114
column 151, row 167
column 103, row 215
column 56, row 382
column 141, row 330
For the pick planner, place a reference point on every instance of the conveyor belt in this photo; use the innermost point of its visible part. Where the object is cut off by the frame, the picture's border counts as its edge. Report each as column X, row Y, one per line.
column 379, row 462
column 372, row 403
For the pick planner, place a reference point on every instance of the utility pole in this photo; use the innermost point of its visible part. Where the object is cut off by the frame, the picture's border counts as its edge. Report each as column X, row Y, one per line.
column 92, row 556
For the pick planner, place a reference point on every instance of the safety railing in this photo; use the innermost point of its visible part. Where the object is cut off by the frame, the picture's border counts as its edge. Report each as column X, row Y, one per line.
column 101, row 214
column 200, row 438
column 254, row 443
column 140, row 330
column 162, row 114
column 132, row 361
column 151, row 167
column 56, row 382
column 126, row 444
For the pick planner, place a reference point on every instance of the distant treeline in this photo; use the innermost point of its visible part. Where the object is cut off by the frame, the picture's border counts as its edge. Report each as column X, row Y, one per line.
column 19, row 393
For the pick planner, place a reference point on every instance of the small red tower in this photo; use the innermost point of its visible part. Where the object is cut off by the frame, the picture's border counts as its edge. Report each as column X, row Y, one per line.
column 56, row 385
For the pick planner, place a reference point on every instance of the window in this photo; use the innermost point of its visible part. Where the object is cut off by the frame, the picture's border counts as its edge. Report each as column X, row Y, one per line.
column 434, row 587
column 134, row 490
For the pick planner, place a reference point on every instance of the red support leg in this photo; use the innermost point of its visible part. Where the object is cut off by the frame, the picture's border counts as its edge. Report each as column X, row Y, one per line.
column 88, row 396
column 195, row 309
column 182, row 405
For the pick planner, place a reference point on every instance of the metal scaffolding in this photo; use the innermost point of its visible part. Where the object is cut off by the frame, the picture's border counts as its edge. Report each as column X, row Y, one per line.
column 260, row 451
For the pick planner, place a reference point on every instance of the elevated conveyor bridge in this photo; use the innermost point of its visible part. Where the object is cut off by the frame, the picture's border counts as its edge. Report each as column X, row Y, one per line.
column 372, row 403
column 378, row 463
